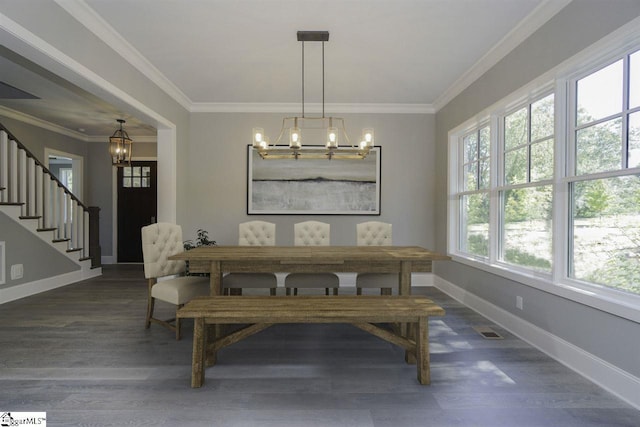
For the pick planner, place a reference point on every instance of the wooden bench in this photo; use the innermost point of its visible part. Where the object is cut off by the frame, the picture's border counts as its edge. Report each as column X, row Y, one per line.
column 262, row 312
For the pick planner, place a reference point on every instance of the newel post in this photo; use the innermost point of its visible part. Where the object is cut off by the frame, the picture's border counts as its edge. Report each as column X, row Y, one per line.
column 95, row 253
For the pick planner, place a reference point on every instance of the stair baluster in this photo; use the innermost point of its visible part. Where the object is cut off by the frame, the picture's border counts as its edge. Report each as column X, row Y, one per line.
column 25, row 181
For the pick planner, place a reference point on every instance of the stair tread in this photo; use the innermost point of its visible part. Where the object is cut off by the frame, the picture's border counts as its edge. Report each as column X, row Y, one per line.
column 11, row 204
column 29, row 217
column 60, row 240
column 74, row 250
column 47, row 229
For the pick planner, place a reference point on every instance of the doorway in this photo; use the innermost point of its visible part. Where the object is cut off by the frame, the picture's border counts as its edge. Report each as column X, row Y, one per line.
column 137, row 206
column 67, row 168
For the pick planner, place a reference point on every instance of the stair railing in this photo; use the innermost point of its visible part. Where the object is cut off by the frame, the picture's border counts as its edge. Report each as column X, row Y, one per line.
column 26, row 182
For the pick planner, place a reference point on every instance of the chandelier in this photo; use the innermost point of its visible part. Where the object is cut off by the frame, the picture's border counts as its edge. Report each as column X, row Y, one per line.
column 333, row 127
column 120, row 147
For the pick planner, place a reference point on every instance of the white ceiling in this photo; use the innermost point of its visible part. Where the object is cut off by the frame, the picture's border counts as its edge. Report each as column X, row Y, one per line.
column 408, row 55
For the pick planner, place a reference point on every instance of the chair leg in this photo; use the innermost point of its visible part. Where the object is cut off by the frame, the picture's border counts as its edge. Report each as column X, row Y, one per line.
column 326, row 291
column 288, row 291
column 358, row 291
column 295, row 292
column 178, row 324
column 385, row 291
column 335, row 291
column 150, row 305
column 150, row 302
column 272, row 292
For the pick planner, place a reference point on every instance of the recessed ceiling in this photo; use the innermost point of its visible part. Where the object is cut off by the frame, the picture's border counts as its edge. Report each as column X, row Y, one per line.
column 380, row 52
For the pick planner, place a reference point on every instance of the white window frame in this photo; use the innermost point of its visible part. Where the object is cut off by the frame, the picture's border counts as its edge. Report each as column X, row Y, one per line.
column 558, row 80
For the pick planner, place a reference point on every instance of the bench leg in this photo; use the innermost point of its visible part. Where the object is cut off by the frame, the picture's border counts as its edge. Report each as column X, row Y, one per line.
column 199, row 346
column 410, row 356
column 422, row 350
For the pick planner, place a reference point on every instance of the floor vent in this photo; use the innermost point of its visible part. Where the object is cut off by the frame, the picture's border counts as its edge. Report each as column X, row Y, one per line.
column 487, row 333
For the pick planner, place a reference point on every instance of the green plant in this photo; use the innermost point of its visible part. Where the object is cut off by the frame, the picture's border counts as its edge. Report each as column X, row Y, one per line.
column 202, row 239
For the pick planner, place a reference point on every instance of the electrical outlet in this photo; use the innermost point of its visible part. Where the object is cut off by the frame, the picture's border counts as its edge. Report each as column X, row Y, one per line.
column 519, row 303
column 17, row 271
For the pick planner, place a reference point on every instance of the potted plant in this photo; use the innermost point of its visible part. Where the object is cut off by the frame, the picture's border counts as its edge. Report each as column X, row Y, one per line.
column 202, row 239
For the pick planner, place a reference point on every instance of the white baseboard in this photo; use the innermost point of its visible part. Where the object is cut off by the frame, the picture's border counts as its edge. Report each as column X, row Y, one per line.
column 107, row 260
column 27, row 289
column 611, row 378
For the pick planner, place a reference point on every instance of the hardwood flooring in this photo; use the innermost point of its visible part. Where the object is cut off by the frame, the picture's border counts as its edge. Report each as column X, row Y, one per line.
column 81, row 354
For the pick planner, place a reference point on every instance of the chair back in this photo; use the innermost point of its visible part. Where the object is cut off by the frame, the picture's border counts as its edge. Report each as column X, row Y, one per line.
column 374, row 233
column 160, row 241
column 311, row 233
column 257, row 233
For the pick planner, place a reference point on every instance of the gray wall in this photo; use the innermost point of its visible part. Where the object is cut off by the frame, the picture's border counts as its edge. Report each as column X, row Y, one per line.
column 36, row 139
column 39, row 260
column 58, row 28
column 580, row 24
column 217, row 177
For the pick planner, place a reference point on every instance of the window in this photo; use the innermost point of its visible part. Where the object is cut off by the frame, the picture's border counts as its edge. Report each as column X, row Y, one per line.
column 474, row 192
column 136, row 177
column 526, row 191
column 560, row 210
column 604, row 182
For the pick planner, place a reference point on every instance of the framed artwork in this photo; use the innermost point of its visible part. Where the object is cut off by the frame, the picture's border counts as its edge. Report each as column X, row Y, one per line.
column 313, row 186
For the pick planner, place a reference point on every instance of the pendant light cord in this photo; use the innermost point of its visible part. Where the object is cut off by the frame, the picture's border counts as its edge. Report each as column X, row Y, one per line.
column 302, row 79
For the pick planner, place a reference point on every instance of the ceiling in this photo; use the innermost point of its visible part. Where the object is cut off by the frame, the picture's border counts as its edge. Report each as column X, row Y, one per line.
column 210, row 55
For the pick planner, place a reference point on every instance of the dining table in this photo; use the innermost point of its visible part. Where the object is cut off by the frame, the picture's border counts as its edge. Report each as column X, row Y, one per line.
column 403, row 260
column 217, row 260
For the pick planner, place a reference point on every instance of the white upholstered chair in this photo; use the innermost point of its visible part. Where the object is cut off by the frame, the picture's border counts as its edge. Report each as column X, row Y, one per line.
column 252, row 233
column 311, row 233
column 160, row 241
column 375, row 233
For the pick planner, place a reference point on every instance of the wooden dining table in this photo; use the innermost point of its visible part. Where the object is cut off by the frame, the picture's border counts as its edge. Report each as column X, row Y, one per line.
column 218, row 260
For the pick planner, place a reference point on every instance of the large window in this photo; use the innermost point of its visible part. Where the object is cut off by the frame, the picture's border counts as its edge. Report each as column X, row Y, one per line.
column 604, row 180
column 525, row 192
column 546, row 185
column 474, row 192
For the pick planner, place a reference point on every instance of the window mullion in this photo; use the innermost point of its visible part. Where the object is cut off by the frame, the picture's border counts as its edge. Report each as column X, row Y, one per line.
column 625, row 111
column 561, row 236
column 495, row 171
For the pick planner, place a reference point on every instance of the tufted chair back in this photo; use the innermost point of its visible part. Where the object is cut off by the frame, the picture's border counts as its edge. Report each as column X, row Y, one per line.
column 160, row 241
column 373, row 233
column 257, row 233
column 311, row 233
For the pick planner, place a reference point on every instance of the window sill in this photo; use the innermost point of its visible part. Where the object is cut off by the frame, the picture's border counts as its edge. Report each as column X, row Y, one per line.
column 617, row 303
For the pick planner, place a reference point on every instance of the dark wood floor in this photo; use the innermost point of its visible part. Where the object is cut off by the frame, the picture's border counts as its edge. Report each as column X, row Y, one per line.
column 81, row 354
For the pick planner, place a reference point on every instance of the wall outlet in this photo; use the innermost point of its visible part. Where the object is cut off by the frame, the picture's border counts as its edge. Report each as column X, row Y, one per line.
column 17, row 271
column 519, row 302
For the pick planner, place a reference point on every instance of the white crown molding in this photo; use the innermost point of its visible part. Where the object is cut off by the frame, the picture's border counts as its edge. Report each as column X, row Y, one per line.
column 532, row 22
column 295, row 108
column 88, row 17
column 34, row 121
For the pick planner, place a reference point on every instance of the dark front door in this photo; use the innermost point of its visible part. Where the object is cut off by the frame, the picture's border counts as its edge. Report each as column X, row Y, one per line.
column 137, row 207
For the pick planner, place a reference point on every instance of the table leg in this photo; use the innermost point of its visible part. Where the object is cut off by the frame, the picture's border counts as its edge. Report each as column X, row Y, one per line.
column 404, row 288
column 422, row 348
column 199, row 345
column 215, row 278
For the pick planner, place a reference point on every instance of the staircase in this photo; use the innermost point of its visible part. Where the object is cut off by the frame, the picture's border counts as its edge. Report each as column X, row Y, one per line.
column 37, row 200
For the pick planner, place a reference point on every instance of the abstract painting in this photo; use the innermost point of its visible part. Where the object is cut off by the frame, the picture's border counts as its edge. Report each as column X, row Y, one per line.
column 313, row 186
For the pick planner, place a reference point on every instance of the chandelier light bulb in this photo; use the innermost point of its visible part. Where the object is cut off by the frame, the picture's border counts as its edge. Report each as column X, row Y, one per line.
column 332, row 137
column 294, row 140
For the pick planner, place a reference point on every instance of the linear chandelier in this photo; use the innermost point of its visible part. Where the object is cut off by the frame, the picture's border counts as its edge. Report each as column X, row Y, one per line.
column 333, row 126
column 120, row 147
